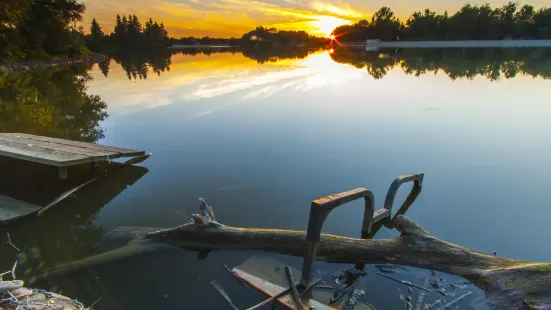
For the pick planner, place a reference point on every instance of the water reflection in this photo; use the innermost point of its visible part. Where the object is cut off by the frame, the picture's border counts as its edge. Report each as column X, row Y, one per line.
column 137, row 64
column 67, row 231
column 491, row 64
column 52, row 103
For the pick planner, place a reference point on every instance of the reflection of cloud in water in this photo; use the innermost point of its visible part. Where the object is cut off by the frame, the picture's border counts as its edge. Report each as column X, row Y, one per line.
column 318, row 70
column 193, row 78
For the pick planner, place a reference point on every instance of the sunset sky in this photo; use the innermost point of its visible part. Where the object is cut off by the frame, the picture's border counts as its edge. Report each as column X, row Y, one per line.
column 227, row 18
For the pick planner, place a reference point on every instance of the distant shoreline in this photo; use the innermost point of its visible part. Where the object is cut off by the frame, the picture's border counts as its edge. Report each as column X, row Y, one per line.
column 176, row 46
column 453, row 44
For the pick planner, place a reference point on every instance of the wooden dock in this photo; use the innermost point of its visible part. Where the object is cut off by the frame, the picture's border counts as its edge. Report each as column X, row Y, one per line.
column 59, row 153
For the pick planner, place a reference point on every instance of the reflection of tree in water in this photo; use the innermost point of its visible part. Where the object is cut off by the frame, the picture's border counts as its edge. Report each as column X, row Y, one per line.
column 52, row 103
column 261, row 54
column 208, row 51
column 138, row 63
column 456, row 63
column 274, row 54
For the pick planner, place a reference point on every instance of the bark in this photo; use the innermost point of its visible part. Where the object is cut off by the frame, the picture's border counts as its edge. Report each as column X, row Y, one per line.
column 509, row 284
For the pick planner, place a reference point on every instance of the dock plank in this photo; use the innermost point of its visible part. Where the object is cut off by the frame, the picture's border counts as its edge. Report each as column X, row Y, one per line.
column 42, row 155
column 123, row 151
column 12, row 209
column 96, row 153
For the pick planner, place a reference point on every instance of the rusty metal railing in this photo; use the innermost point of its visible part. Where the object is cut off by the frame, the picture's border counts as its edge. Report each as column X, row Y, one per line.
column 321, row 208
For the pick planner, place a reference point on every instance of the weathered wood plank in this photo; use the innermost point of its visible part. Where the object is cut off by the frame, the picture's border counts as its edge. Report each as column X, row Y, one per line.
column 123, row 151
column 42, row 155
column 12, row 209
column 269, row 289
column 267, row 276
column 61, row 147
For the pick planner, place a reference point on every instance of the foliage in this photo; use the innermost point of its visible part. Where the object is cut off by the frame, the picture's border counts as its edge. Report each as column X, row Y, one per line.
column 40, row 28
column 52, row 103
column 205, row 41
column 3, row 72
column 271, row 37
column 471, row 22
column 138, row 65
column 128, row 33
column 492, row 64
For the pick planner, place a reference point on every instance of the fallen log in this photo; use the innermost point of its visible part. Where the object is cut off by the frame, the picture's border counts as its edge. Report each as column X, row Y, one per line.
column 509, row 284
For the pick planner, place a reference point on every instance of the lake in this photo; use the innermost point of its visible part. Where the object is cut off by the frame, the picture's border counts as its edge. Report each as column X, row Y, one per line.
column 259, row 135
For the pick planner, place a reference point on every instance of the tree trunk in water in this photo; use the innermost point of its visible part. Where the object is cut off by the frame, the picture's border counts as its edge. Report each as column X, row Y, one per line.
column 509, row 284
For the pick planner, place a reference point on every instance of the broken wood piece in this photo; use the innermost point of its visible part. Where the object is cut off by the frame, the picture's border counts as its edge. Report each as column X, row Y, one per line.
column 223, row 293
column 404, row 282
column 294, row 291
column 309, row 288
column 451, row 303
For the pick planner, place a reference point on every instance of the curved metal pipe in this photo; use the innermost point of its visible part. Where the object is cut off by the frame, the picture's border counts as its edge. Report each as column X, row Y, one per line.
column 319, row 211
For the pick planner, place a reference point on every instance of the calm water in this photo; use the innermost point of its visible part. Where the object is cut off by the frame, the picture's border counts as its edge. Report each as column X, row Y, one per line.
column 261, row 137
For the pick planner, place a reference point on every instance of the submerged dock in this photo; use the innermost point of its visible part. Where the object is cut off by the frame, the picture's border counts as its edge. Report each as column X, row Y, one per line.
column 59, row 153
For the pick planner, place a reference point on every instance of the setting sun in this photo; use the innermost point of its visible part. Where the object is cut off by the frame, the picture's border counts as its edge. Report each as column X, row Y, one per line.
column 324, row 25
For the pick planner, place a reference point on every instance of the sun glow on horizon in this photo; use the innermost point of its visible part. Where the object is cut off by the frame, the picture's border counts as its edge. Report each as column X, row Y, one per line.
column 324, row 25
column 225, row 18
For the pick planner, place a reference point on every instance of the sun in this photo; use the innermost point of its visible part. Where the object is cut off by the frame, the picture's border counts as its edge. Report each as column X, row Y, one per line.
column 324, row 25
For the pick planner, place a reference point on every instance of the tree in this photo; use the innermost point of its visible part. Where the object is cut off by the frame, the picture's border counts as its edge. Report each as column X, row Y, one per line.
column 524, row 22
column 386, row 24
column 506, row 19
column 38, row 28
column 95, row 30
column 542, row 23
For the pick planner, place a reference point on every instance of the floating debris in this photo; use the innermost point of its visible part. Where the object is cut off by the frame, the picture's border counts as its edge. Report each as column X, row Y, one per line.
column 451, row 303
column 325, row 286
column 312, row 285
column 235, row 277
column 340, row 293
column 387, row 269
column 434, row 304
column 10, row 243
column 294, row 291
column 404, row 282
column 343, row 275
column 353, row 299
column 223, row 293
column 369, row 305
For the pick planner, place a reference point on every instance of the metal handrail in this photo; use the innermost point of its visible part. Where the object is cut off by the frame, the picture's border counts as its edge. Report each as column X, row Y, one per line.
column 319, row 211
column 321, row 208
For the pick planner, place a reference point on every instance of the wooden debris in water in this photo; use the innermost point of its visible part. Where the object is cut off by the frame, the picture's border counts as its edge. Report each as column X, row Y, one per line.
column 294, row 291
column 343, row 275
column 269, row 300
column 451, row 303
column 223, row 293
column 404, row 282
column 309, row 288
column 10, row 243
column 340, row 293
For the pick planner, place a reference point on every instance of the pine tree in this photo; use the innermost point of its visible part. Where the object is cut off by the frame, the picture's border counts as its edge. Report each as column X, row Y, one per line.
column 95, row 30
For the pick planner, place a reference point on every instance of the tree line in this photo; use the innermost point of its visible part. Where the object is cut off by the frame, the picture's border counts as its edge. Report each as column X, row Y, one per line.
column 40, row 29
column 129, row 33
column 471, row 22
column 493, row 64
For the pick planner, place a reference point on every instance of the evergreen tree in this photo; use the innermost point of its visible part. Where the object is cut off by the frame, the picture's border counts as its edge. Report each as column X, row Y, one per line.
column 95, row 29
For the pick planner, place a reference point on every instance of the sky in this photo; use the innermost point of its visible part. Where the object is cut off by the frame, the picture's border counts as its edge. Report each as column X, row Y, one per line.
column 232, row 18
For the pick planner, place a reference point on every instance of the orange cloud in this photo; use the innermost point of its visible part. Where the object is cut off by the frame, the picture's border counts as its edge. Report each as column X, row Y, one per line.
column 225, row 18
